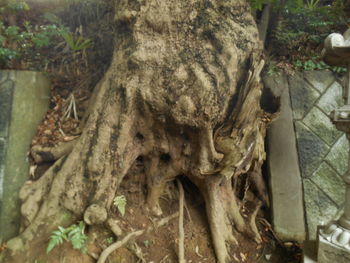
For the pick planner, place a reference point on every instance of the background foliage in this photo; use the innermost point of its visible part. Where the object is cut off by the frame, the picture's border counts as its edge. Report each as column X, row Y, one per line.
column 298, row 28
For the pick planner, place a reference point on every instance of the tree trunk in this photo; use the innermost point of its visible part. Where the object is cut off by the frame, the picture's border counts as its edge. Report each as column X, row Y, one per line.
column 183, row 91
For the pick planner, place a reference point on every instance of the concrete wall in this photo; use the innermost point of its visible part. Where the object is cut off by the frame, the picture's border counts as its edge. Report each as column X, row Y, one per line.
column 24, row 99
column 321, row 149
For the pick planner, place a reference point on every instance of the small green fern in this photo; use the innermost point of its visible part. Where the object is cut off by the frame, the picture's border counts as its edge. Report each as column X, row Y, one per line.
column 120, row 203
column 73, row 234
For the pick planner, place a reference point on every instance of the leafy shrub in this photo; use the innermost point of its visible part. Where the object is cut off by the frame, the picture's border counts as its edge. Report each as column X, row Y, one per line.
column 304, row 26
column 22, row 45
column 26, row 46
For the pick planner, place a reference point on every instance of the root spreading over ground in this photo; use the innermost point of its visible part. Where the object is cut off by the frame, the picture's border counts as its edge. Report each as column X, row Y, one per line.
column 182, row 95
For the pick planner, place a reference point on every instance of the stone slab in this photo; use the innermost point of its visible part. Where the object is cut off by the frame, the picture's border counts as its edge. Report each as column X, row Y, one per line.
column 322, row 126
column 29, row 102
column 338, row 155
column 320, row 209
column 319, row 79
column 6, row 91
column 303, row 96
column 285, row 179
column 327, row 179
column 312, row 150
column 332, row 98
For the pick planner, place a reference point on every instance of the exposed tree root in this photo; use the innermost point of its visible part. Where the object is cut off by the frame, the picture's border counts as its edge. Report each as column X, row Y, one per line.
column 252, row 222
column 181, row 223
column 225, row 219
column 42, row 154
column 105, row 253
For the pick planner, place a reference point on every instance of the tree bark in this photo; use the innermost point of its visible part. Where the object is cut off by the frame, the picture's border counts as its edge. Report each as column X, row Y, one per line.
column 183, row 91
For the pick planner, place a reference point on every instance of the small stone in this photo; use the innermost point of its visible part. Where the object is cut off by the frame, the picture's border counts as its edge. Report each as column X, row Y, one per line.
column 268, row 256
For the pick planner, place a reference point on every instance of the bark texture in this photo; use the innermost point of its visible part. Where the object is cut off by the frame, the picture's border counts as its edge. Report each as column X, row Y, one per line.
column 183, row 92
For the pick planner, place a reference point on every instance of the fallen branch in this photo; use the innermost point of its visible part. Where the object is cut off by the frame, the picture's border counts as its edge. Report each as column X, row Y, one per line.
column 106, row 252
column 181, row 223
column 70, row 106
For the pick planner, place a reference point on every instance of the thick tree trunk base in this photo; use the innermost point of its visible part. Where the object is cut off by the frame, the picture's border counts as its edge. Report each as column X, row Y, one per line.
column 182, row 95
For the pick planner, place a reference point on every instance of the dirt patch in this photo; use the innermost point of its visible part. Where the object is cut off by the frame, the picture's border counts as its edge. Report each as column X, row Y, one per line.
column 161, row 245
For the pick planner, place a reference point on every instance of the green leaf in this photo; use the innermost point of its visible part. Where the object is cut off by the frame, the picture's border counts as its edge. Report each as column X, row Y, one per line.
column 120, row 203
column 54, row 241
column 73, row 234
column 12, row 31
column 77, row 237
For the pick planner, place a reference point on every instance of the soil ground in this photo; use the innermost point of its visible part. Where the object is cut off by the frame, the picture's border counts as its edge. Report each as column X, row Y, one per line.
column 161, row 245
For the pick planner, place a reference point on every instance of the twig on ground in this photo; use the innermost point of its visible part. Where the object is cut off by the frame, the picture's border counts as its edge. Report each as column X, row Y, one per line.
column 181, row 223
column 105, row 253
column 188, row 212
column 70, row 106
column 163, row 260
column 134, row 247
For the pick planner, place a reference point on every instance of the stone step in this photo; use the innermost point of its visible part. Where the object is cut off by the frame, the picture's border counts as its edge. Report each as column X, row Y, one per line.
column 24, row 99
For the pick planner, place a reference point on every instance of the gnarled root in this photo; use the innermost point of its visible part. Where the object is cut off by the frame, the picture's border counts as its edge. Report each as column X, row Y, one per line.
column 42, row 154
column 105, row 253
column 223, row 212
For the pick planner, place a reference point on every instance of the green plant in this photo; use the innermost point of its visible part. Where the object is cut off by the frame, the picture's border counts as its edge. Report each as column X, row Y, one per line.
column 272, row 68
column 257, row 4
column 146, row 243
column 311, row 4
column 109, row 240
column 80, row 43
column 22, row 46
column 304, row 25
column 13, row 7
column 316, row 64
column 120, row 203
column 73, row 234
